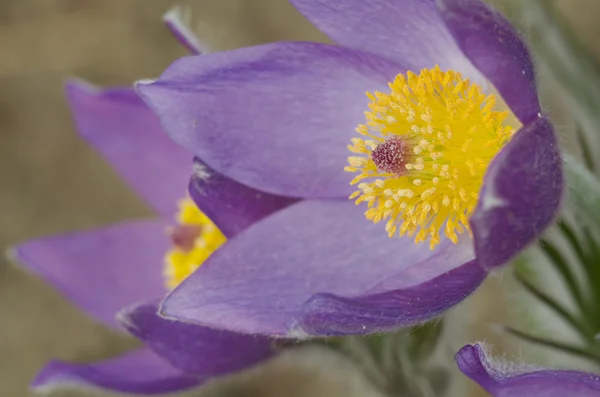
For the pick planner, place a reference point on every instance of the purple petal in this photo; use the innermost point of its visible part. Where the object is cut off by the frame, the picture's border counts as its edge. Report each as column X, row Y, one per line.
column 178, row 21
column 232, row 206
column 276, row 117
column 409, row 32
column 521, row 194
column 102, row 270
column 198, row 350
column 501, row 380
column 259, row 281
column 496, row 49
column 139, row 372
column 328, row 314
column 122, row 128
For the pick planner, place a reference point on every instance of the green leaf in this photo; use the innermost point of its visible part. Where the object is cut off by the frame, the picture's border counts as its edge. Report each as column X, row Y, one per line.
column 580, row 326
column 583, row 195
column 583, row 352
column 583, row 204
column 565, row 270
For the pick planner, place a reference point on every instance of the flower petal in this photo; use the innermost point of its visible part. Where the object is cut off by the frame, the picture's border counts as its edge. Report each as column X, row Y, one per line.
column 139, row 372
column 194, row 349
column 496, row 49
column 102, row 270
column 501, row 380
column 410, row 32
column 232, row 206
column 118, row 124
column 178, row 21
column 276, row 117
column 331, row 315
column 511, row 215
column 259, row 281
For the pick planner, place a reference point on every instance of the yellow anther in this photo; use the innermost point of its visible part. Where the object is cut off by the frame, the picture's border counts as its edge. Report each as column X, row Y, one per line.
column 440, row 132
column 427, row 193
column 357, row 161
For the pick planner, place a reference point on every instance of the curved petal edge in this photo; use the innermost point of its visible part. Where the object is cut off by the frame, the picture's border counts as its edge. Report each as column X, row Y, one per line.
column 521, row 194
column 232, row 206
column 496, row 49
column 330, row 315
column 506, row 380
column 201, row 351
column 101, row 270
column 138, row 372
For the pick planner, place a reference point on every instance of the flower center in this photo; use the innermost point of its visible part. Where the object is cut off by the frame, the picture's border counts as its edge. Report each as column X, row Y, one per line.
column 194, row 239
column 427, row 146
column 184, row 236
column 391, row 155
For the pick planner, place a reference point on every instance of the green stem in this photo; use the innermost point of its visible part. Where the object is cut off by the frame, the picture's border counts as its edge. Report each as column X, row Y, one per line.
column 586, row 151
column 580, row 327
column 565, row 271
column 574, row 350
column 573, row 240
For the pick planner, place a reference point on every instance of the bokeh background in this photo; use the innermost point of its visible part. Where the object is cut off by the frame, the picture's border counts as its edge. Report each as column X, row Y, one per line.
column 53, row 183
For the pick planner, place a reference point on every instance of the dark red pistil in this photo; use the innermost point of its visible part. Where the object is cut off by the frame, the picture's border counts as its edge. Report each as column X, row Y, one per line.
column 184, row 236
column 391, row 155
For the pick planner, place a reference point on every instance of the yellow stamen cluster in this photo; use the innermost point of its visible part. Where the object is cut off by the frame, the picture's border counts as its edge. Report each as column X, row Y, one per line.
column 205, row 238
column 449, row 132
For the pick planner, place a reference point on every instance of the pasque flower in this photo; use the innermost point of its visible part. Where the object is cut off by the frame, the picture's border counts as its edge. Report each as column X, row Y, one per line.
column 127, row 268
column 504, row 380
column 425, row 113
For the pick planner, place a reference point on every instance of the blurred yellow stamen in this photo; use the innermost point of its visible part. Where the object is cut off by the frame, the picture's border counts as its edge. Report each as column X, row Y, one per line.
column 194, row 240
column 426, row 147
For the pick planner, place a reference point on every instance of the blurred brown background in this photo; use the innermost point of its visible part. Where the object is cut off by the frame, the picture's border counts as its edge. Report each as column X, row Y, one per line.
column 52, row 182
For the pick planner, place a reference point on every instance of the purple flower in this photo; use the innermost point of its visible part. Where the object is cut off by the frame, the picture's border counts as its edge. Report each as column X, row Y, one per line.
column 453, row 151
column 504, row 380
column 127, row 268
column 121, row 266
